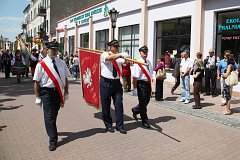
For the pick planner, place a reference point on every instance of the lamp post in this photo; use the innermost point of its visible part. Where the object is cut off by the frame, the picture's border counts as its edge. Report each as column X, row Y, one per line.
column 113, row 16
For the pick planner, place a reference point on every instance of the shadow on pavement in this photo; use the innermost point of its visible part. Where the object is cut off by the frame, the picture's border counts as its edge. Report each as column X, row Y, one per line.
column 235, row 110
column 1, row 128
column 2, row 108
column 207, row 104
column 10, row 87
column 6, row 99
column 171, row 98
column 71, row 136
column 136, row 124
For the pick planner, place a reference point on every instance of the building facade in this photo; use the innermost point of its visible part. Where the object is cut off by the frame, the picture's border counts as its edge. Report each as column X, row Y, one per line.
column 5, row 43
column 167, row 27
column 45, row 14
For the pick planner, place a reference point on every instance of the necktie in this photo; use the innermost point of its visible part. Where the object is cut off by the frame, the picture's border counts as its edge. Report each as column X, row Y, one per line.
column 147, row 63
column 55, row 67
column 114, row 72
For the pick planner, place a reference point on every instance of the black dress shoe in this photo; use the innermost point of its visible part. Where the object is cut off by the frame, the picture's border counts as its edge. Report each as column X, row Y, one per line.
column 134, row 115
column 123, row 131
column 52, row 147
column 146, row 125
column 111, row 130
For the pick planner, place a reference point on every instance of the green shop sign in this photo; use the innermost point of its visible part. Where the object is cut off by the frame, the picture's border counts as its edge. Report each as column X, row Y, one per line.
column 84, row 17
column 230, row 24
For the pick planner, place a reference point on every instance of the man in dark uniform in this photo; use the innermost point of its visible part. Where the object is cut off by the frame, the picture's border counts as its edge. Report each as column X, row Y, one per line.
column 51, row 92
column 111, row 87
column 143, row 83
column 6, row 59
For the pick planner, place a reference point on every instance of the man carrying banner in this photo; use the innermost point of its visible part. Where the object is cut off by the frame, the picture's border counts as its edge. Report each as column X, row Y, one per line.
column 51, row 88
column 142, row 80
column 111, row 87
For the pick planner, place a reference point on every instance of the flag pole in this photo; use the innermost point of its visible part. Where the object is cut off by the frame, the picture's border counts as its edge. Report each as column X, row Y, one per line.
column 128, row 59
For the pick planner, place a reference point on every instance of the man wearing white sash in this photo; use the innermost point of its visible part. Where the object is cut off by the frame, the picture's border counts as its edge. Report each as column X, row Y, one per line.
column 51, row 89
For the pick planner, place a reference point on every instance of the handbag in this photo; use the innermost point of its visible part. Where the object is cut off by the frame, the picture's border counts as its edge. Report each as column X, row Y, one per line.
column 161, row 74
column 232, row 79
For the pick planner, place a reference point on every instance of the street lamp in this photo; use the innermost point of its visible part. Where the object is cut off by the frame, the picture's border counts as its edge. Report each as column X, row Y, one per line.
column 113, row 16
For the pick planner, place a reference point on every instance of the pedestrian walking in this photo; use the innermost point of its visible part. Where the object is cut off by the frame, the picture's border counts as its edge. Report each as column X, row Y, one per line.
column 142, row 79
column 71, row 64
column 75, row 66
column 51, row 88
column 111, row 87
column 197, row 85
column 33, row 59
column 176, row 73
column 222, row 67
column 227, row 89
column 126, row 76
column 160, row 68
column 6, row 60
column 1, row 62
column 210, row 64
column 185, row 68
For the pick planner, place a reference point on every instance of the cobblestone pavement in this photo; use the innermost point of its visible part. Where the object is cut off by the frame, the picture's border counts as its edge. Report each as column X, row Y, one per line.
column 174, row 135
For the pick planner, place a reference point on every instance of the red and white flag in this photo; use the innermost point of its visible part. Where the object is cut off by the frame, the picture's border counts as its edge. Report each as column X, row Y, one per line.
column 90, row 74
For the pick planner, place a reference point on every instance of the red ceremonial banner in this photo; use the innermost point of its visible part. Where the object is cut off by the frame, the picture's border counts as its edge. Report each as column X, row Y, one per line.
column 90, row 74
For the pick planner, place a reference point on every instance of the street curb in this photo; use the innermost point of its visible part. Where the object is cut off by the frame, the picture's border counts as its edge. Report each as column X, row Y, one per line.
column 187, row 109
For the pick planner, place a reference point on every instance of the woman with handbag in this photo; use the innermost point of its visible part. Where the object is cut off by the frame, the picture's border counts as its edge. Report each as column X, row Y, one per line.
column 160, row 76
column 228, row 84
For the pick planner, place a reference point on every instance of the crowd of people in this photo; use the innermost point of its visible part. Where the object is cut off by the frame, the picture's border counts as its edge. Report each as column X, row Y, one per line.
column 210, row 69
column 204, row 71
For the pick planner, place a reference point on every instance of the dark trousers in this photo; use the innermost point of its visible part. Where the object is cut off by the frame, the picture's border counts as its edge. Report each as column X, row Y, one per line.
column 27, row 71
column 196, row 92
column 177, row 83
column 7, row 70
column 210, row 76
column 111, row 89
column 75, row 71
column 159, row 90
column 51, row 105
column 144, row 94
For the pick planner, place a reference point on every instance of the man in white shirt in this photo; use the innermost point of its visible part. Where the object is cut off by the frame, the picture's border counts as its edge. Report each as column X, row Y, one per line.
column 50, row 87
column 185, row 68
column 211, row 63
column 142, row 79
column 111, row 87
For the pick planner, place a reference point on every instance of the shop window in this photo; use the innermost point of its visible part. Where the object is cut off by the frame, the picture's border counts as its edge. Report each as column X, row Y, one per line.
column 173, row 37
column 71, row 44
column 102, row 38
column 84, row 40
column 228, row 33
column 129, row 40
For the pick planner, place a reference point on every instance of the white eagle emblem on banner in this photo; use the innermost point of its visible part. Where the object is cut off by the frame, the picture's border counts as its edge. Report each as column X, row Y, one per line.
column 87, row 77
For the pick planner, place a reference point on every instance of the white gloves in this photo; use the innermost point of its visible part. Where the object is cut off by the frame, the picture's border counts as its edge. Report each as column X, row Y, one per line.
column 124, row 54
column 134, row 92
column 66, row 96
column 38, row 101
